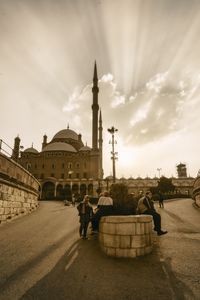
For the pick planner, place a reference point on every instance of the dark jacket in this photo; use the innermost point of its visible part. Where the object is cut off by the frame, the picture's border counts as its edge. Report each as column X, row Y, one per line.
column 85, row 211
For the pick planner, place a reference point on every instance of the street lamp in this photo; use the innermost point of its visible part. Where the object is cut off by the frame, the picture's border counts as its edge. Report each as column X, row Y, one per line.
column 159, row 169
column 114, row 154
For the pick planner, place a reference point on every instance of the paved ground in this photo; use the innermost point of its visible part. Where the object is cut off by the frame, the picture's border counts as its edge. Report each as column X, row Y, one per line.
column 42, row 257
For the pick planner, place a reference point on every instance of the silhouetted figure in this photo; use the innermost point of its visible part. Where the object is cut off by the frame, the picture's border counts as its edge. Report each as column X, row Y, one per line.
column 85, row 212
column 146, row 207
column 160, row 199
column 73, row 200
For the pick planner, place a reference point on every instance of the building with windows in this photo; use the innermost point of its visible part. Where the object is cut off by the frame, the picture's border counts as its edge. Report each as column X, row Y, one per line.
column 66, row 166
column 181, row 170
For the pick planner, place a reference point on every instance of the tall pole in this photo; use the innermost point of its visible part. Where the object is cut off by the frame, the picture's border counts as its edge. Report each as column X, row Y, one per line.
column 112, row 131
column 159, row 169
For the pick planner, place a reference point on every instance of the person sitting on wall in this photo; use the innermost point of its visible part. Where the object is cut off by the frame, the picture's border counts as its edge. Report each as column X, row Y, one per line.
column 146, row 207
column 104, row 208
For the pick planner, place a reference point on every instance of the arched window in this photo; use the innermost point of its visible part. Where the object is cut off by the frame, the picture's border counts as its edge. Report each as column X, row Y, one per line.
column 48, row 191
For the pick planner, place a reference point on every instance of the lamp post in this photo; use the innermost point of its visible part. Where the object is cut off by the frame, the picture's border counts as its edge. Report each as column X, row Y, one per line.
column 159, row 169
column 114, row 154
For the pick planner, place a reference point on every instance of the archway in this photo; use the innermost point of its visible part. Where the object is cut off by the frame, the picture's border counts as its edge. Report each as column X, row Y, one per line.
column 75, row 190
column 90, row 189
column 67, row 192
column 48, row 189
column 59, row 192
column 83, row 190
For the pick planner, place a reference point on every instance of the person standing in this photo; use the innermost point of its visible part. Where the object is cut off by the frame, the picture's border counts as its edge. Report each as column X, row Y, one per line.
column 160, row 200
column 85, row 213
column 73, row 200
column 146, row 207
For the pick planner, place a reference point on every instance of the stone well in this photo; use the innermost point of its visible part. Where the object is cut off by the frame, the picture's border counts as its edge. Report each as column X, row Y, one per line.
column 126, row 236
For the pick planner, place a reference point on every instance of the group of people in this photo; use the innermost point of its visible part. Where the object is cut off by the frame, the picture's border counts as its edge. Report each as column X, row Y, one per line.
column 87, row 215
column 105, row 208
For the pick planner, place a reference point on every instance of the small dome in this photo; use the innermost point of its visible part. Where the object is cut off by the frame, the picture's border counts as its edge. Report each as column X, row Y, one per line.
column 66, row 134
column 85, row 148
column 59, row 146
column 31, row 150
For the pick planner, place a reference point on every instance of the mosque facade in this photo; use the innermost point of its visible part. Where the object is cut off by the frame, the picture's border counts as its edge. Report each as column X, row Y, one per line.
column 66, row 166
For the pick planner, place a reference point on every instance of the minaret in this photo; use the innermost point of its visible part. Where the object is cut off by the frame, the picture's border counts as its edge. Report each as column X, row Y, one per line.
column 100, row 147
column 44, row 141
column 15, row 152
column 95, row 108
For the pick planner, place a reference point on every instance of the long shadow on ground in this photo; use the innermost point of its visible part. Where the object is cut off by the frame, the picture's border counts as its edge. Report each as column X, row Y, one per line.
column 84, row 272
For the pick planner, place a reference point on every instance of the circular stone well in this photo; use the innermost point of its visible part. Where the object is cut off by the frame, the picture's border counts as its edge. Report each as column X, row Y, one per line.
column 126, row 236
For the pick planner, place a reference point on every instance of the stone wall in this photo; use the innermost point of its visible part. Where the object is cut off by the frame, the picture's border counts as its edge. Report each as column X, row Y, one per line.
column 19, row 190
column 126, row 236
column 196, row 191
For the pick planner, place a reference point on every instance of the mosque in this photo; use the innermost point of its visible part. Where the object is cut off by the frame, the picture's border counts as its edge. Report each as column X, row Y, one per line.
column 66, row 166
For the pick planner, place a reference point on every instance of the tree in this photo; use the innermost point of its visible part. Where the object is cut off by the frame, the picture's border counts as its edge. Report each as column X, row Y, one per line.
column 165, row 185
column 124, row 203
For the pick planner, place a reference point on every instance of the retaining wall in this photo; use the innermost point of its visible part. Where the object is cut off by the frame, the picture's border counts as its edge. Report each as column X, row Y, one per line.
column 19, row 190
column 126, row 236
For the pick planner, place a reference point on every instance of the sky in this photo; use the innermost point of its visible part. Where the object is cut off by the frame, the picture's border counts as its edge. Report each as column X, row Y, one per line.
column 148, row 63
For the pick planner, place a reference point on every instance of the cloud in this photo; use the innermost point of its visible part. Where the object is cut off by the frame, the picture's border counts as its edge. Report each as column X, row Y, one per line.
column 152, row 113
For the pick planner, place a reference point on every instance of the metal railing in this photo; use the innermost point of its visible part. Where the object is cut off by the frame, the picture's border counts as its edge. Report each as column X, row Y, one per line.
column 4, row 148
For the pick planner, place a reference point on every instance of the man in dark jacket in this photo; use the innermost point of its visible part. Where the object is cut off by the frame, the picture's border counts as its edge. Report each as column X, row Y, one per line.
column 85, row 212
column 146, row 207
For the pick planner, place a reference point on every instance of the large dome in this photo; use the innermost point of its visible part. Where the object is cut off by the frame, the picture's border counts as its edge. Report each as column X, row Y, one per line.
column 66, row 134
column 59, row 146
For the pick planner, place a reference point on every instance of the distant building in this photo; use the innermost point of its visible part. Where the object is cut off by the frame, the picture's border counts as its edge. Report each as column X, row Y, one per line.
column 138, row 185
column 181, row 170
column 66, row 166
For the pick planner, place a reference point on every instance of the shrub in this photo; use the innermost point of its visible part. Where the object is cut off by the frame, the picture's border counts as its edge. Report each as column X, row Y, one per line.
column 124, row 203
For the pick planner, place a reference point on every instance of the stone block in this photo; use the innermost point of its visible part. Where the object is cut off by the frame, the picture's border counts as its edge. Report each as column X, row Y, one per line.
column 119, row 219
column 110, row 240
column 138, row 241
column 7, row 210
column 125, row 252
column 100, row 238
column 110, row 251
column 139, row 228
column 144, row 218
column 148, row 239
column 26, row 205
column 146, row 227
column 2, row 210
column 125, row 228
column 109, row 228
column 124, row 241
column 140, row 251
